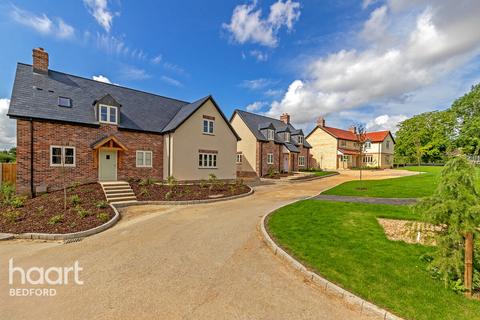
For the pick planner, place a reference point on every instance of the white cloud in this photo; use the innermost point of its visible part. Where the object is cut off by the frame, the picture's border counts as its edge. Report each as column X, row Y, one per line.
column 157, row 59
column 42, row 23
column 256, row 84
column 7, row 126
column 247, row 24
column 439, row 40
column 374, row 28
column 171, row 81
column 259, row 55
column 101, row 79
column 133, row 73
column 273, row 92
column 367, row 3
column 255, row 106
column 111, row 44
column 385, row 122
column 99, row 10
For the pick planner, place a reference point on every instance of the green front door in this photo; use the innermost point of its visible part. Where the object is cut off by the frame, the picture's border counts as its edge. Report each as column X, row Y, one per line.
column 108, row 165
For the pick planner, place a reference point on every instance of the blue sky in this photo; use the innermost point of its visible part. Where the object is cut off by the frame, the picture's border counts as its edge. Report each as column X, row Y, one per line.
column 370, row 61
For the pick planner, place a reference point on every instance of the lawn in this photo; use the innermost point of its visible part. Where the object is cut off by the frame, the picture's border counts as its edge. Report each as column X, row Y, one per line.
column 323, row 173
column 344, row 243
column 416, row 186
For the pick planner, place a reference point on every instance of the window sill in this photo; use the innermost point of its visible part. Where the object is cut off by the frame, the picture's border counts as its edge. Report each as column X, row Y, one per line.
column 208, row 134
column 105, row 122
column 208, row 168
column 64, row 165
column 144, row 167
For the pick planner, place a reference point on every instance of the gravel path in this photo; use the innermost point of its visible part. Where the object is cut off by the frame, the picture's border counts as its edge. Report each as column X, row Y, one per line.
column 189, row 262
column 392, row 201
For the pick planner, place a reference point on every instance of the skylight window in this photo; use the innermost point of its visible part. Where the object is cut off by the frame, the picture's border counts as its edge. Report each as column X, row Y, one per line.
column 64, row 102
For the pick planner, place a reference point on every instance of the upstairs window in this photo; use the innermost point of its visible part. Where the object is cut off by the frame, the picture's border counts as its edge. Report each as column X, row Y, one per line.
column 64, row 102
column 239, row 158
column 300, row 139
column 368, row 145
column 343, row 143
column 270, row 134
column 287, row 136
column 208, row 126
column 388, row 144
column 108, row 114
column 62, row 156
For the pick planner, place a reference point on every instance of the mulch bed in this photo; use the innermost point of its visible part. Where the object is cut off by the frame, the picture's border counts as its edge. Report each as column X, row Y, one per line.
column 277, row 175
column 158, row 192
column 36, row 213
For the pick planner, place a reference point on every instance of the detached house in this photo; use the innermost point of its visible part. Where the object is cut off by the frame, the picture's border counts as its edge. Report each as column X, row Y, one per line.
column 334, row 148
column 75, row 129
column 268, row 144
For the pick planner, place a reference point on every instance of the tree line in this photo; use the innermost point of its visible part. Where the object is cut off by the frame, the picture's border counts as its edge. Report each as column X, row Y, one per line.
column 431, row 137
column 8, row 156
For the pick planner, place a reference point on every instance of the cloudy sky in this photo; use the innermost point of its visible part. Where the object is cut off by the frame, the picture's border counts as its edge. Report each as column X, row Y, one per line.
column 371, row 61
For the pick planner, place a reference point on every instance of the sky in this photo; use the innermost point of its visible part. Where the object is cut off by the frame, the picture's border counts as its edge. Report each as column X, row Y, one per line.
column 372, row 62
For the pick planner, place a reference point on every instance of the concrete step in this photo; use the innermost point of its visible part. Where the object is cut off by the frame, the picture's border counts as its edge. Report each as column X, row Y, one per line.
column 123, row 190
column 118, row 191
column 123, row 198
column 115, row 195
column 120, row 203
column 120, row 186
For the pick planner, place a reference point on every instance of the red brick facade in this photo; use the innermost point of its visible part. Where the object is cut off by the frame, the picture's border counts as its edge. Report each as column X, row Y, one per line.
column 82, row 138
column 264, row 148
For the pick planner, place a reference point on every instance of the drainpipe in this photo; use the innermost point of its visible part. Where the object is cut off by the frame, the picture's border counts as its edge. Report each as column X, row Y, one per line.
column 32, row 186
column 279, row 158
column 169, row 166
column 261, row 159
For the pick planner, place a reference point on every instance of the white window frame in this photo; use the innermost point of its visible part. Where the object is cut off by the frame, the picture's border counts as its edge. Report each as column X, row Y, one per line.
column 208, row 160
column 269, row 158
column 345, row 158
column 109, row 112
column 287, row 136
column 368, row 144
column 301, row 161
column 144, row 153
column 210, row 126
column 366, row 158
column 270, row 134
column 300, row 139
column 239, row 158
column 62, row 156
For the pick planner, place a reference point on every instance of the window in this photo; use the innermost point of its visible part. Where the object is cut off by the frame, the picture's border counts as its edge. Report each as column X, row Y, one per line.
column 270, row 134
column 239, row 158
column 62, row 156
column 301, row 161
column 270, row 158
column 144, row 159
column 64, row 102
column 108, row 114
column 345, row 158
column 287, row 136
column 368, row 159
column 368, row 144
column 343, row 143
column 388, row 144
column 300, row 139
column 208, row 126
column 207, row 160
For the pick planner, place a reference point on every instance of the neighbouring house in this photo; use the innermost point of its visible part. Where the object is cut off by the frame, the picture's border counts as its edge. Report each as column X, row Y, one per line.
column 76, row 130
column 268, row 144
column 334, row 148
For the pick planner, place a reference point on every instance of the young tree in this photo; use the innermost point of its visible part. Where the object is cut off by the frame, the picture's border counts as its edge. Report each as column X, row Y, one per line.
column 455, row 206
column 361, row 137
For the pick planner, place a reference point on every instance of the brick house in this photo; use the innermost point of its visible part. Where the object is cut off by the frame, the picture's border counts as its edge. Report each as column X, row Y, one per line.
column 268, row 144
column 334, row 148
column 79, row 130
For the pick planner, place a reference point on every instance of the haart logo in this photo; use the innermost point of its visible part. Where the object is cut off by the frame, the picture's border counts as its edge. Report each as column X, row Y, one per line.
column 38, row 276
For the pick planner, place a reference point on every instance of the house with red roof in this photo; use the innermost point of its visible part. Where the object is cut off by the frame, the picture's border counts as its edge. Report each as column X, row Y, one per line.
column 334, row 148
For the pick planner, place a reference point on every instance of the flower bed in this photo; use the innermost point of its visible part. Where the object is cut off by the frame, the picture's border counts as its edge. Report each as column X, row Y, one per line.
column 86, row 209
column 150, row 191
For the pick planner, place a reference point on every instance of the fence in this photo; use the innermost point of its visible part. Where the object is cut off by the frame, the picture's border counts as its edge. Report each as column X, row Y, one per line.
column 8, row 172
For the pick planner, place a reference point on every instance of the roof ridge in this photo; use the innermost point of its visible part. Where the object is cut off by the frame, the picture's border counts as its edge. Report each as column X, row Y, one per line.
column 111, row 84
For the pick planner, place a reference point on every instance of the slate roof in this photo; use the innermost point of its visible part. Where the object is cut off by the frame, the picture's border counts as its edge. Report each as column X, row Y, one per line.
column 36, row 96
column 256, row 122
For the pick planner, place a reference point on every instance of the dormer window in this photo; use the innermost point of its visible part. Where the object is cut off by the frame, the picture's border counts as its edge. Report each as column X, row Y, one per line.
column 287, row 136
column 108, row 114
column 300, row 139
column 270, row 134
column 64, row 102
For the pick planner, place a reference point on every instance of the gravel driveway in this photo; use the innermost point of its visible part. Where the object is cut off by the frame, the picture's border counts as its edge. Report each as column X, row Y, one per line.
column 189, row 262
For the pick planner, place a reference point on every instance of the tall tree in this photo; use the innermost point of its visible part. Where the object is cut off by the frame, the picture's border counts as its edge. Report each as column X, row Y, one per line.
column 467, row 112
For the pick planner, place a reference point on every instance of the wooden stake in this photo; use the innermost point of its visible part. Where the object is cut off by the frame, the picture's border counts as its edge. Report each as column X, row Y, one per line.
column 468, row 263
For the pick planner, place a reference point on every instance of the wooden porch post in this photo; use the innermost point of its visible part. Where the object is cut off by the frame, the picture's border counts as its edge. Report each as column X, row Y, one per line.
column 468, row 263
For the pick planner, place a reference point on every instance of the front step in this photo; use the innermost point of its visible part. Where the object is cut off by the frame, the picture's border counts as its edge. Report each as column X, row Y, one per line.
column 118, row 191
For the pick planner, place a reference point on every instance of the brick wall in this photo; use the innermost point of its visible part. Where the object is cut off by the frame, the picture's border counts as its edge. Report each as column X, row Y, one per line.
column 266, row 148
column 81, row 137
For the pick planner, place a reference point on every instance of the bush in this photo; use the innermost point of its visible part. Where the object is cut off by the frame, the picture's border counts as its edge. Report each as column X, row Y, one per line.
column 101, row 204
column 82, row 212
column 144, row 192
column 102, row 216
column 7, row 192
column 75, row 200
column 203, row 183
column 271, row 172
column 12, row 215
column 55, row 219
column 146, row 182
column 18, row 202
column 169, row 195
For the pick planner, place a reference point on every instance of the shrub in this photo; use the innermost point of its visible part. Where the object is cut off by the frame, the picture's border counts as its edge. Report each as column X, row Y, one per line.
column 7, row 192
column 239, row 182
column 101, row 204
column 102, row 216
column 75, row 200
column 168, row 195
column 74, row 186
column 17, row 202
column 233, row 188
column 271, row 172
column 55, row 219
column 213, row 181
column 41, row 210
column 12, row 215
column 203, row 183
column 83, row 213
column 144, row 192
column 146, row 182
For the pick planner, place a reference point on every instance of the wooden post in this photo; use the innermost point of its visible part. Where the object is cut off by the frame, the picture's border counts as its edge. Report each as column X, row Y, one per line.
column 1, row 173
column 468, row 263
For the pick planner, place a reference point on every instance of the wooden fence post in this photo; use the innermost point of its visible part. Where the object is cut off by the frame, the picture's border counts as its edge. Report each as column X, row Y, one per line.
column 1, row 173
column 468, row 263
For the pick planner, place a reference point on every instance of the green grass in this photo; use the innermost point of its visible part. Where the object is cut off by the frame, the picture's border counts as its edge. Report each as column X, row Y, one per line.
column 344, row 243
column 323, row 173
column 416, row 186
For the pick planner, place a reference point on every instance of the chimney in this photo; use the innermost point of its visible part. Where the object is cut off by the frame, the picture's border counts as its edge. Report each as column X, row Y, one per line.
column 353, row 129
column 321, row 122
column 40, row 60
column 285, row 117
